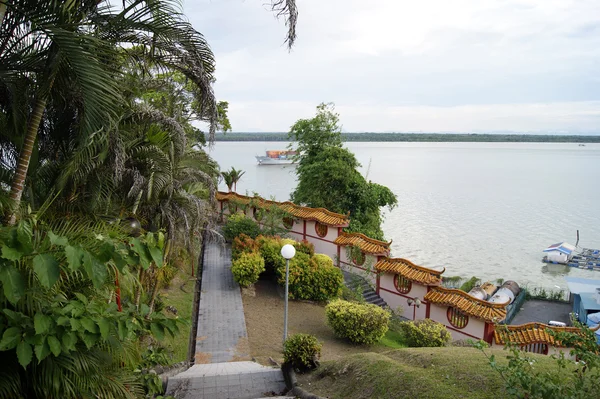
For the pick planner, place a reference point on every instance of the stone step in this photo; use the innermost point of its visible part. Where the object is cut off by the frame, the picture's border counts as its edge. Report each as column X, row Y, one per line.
column 233, row 380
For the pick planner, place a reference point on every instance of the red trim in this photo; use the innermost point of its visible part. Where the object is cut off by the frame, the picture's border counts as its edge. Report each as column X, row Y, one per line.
column 319, row 238
column 339, row 254
column 399, row 294
column 460, row 331
column 304, row 231
column 396, row 277
column 377, row 284
column 488, row 333
column 449, row 312
column 428, row 311
column 317, row 225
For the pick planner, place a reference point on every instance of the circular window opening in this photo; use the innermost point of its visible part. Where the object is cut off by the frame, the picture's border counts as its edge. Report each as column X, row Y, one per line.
column 232, row 207
column 403, row 285
column 258, row 214
column 321, row 229
column 288, row 222
column 358, row 257
column 457, row 318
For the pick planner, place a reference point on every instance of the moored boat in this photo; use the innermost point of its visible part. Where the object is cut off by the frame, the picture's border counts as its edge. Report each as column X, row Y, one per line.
column 277, row 157
column 567, row 254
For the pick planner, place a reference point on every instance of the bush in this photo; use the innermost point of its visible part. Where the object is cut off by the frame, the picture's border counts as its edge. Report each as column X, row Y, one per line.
column 243, row 244
column 240, row 224
column 323, row 260
column 305, row 247
column 270, row 249
column 359, row 323
column 302, row 351
column 470, row 284
column 425, row 333
column 311, row 281
column 247, row 268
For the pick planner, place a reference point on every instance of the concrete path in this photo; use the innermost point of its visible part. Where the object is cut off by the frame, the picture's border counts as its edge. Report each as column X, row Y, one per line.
column 222, row 368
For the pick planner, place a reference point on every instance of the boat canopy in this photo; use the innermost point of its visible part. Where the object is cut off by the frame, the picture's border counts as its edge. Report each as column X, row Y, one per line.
column 578, row 285
column 561, row 247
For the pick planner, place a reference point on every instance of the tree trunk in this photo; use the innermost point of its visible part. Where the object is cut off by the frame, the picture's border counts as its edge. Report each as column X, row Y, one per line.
column 16, row 189
column 138, row 292
column 154, row 293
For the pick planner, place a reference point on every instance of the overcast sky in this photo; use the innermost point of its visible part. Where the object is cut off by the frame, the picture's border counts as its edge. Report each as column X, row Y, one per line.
column 409, row 66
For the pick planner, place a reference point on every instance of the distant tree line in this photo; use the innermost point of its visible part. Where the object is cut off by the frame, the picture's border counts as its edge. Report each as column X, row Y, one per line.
column 424, row 137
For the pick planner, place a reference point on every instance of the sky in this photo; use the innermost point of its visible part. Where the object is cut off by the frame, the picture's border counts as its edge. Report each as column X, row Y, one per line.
column 409, row 66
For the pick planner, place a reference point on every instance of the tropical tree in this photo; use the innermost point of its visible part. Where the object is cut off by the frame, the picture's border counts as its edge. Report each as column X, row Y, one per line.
column 328, row 174
column 231, row 177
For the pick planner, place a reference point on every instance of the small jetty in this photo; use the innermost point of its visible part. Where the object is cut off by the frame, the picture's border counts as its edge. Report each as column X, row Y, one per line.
column 567, row 254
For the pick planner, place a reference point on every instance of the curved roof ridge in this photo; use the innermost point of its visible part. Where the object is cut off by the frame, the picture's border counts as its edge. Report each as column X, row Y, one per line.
column 471, row 298
column 418, row 267
column 366, row 238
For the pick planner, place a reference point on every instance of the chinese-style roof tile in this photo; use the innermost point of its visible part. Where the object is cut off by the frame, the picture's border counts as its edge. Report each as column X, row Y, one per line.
column 530, row 333
column 366, row 244
column 469, row 305
column 409, row 270
column 320, row 215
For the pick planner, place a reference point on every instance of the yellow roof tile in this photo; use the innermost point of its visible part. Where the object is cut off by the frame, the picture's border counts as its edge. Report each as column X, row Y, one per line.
column 366, row 244
column 320, row 215
column 530, row 333
column 467, row 304
column 410, row 271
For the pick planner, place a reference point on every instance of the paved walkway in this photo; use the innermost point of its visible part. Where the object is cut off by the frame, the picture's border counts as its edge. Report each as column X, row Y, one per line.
column 222, row 368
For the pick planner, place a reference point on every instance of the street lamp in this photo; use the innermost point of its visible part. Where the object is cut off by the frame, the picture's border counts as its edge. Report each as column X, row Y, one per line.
column 415, row 303
column 287, row 251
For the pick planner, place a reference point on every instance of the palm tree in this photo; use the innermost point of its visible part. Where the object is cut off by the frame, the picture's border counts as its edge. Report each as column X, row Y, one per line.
column 236, row 175
column 228, row 180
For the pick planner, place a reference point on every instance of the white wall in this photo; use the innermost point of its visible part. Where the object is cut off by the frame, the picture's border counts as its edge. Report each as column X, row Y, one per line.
column 474, row 329
column 394, row 299
column 366, row 270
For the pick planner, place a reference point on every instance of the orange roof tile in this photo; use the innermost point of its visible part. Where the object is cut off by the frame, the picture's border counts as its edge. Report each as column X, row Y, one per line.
column 366, row 244
column 320, row 215
column 530, row 333
column 467, row 304
column 410, row 271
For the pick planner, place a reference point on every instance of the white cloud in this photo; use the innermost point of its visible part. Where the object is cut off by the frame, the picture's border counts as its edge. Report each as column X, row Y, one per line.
column 409, row 65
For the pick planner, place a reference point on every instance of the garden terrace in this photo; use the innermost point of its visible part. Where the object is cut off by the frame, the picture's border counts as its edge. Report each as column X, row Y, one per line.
column 488, row 311
column 409, row 270
column 320, row 215
column 367, row 245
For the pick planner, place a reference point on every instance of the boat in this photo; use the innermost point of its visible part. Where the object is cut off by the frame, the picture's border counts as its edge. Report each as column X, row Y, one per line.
column 277, row 157
column 567, row 254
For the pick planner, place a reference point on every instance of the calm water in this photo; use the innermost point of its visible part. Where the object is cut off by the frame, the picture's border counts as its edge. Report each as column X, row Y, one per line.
column 483, row 209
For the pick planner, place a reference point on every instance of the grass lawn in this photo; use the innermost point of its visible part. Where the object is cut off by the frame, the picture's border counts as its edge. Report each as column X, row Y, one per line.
column 180, row 294
column 450, row 372
column 264, row 322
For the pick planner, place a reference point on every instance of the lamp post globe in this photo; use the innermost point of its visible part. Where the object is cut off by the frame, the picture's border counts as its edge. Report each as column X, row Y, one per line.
column 287, row 251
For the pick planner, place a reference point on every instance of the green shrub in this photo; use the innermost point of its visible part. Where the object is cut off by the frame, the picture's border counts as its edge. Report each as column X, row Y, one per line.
column 247, row 268
column 305, row 247
column 359, row 323
column 425, row 333
column 302, row 351
column 270, row 249
column 240, row 224
column 243, row 244
column 311, row 281
column 323, row 260
column 352, row 294
column 470, row 284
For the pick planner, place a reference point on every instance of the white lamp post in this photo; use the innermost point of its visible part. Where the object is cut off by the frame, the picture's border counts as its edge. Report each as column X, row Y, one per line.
column 287, row 251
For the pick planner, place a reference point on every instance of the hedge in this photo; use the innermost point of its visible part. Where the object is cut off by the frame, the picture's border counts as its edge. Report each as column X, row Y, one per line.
column 359, row 323
column 425, row 333
column 247, row 268
column 240, row 224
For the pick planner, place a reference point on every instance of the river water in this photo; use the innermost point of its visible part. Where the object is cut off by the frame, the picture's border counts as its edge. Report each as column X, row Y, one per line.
column 477, row 209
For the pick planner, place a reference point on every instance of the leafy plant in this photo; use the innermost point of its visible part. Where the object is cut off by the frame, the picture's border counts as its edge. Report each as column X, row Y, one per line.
column 425, row 333
column 270, row 250
column 247, row 268
column 243, row 244
column 240, row 224
column 310, row 280
column 302, row 351
column 359, row 323
column 469, row 284
column 305, row 246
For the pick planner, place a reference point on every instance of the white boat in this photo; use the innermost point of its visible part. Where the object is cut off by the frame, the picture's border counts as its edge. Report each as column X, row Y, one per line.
column 277, row 157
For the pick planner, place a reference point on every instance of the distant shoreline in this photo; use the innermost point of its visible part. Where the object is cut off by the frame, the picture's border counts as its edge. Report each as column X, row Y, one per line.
column 424, row 137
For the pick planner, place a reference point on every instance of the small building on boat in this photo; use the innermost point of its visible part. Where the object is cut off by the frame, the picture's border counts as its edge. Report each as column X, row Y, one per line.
column 561, row 252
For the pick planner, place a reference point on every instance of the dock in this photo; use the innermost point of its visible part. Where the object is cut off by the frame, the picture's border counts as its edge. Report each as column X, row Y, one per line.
column 586, row 258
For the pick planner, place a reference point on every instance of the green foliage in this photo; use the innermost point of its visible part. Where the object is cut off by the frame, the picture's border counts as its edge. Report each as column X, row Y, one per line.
column 231, row 178
column 247, row 268
column 425, row 333
column 545, row 294
column 323, row 260
column 243, row 244
column 570, row 378
column 240, row 224
column 305, row 246
column 328, row 175
column 310, row 280
column 270, row 250
column 470, row 284
column 302, row 351
column 359, row 323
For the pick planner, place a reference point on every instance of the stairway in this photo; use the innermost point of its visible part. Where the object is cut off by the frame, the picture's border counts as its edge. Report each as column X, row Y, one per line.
column 354, row 281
